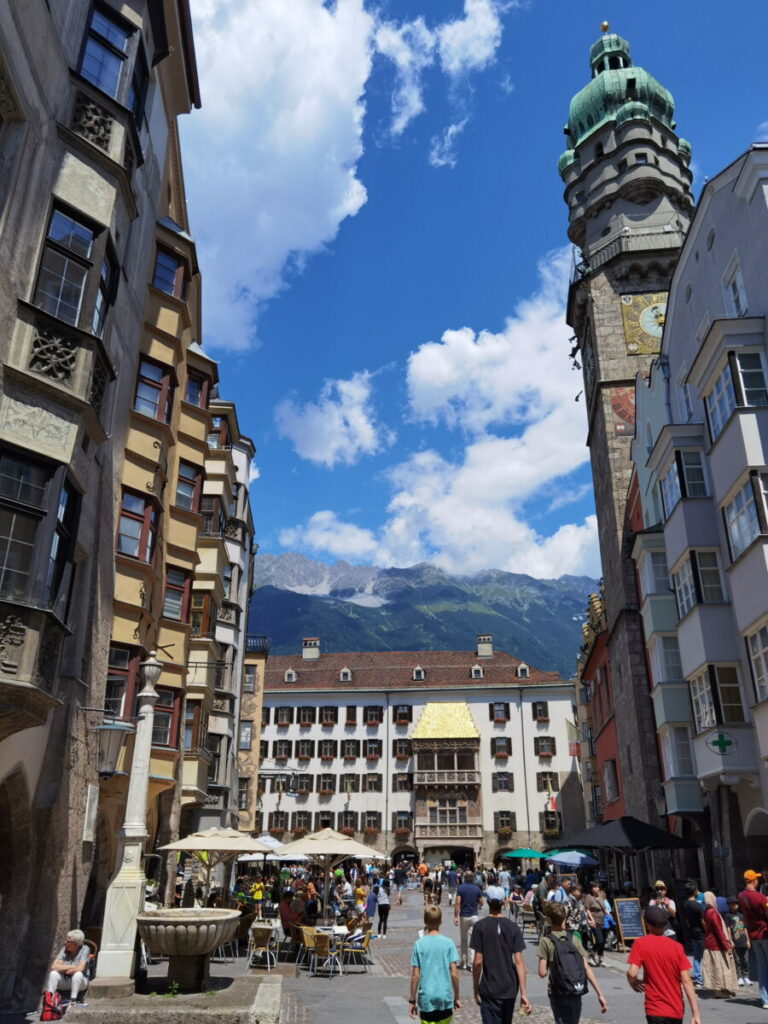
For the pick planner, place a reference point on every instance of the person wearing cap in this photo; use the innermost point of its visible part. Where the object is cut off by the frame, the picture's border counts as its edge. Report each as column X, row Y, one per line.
column 754, row 906
column 498, row 971
column 666, row 972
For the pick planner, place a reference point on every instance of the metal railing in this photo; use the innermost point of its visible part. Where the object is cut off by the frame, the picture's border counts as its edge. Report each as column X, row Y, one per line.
column 449, row 831
column 255, row 644
column 446, row 778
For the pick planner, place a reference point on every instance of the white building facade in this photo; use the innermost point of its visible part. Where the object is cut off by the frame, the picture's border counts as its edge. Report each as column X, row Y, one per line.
column 431, row 754
column 701, row 454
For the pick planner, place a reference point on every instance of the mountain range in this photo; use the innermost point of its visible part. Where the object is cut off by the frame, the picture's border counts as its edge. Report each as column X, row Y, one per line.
column 367, row 608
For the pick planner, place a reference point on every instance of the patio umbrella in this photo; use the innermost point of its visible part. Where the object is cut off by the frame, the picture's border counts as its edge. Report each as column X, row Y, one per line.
column 329, row 848
column 524, row 853
column 572, row 859
column 214, row 846
column 628, row 835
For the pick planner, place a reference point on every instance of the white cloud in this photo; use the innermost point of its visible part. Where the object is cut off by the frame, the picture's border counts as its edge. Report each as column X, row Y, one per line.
column 339, row 427
column 470, row 43
column 253, row 472
column 761, row 132
column 271, row 157
column 442, row 148
column 473, row 512
column 325, row 532
column 411, row 47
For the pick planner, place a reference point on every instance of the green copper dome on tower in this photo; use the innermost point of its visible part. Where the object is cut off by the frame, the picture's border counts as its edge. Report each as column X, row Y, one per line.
column 619, row 92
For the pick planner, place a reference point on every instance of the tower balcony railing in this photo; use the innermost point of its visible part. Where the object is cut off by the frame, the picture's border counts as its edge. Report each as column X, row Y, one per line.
column 255, row 644
column 447, row 778
column 627, row 240
column 463, row 831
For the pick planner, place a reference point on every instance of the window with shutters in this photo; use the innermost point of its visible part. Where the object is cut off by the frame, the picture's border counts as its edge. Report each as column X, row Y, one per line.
column 401, row 714
column 348, row 820
column 277, row 821
column 501, row 746
column 372, row 749
column 544, row 746
column 281, row 750
column 373, row 715
column 499, row 711
column 301, row 820
column 304, row 783
column 401, row 749
column 372, row 782
column 326, row 784
column 329, row 715
column 283, row 716
column 263, row 749
column 504, row 822
column 351, row 716
column 349, row 783
column 540, row 711
column 402, row 782
column 327, row 750
column 402, row 822
column 350, row 749
column 547, row 782
column 306, row 716
column 502, row 782
column 372, row 821
column 264, row 714
column 549, row 822
column 305, row 749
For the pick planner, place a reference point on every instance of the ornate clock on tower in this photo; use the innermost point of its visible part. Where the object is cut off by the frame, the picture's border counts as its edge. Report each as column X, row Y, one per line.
column 643, row 317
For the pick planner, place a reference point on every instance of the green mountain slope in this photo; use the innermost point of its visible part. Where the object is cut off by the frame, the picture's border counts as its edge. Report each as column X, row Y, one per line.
column 420, row 608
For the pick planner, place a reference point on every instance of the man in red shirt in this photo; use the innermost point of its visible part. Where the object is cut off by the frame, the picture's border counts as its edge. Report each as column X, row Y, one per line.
column 666, row 971
column 754, row 906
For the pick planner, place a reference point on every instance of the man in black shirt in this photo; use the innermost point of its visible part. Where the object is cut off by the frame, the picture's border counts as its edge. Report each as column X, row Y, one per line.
column 498, row 971
column 693, row 919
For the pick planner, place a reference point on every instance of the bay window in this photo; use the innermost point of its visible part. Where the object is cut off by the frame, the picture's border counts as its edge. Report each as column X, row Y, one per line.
column 716, row 697
column 176, row 600
column 154, row 391
column 741, row 383
column 189, row 486
column 170, row 273
column 163, row 724
column 65, row 266
column 698, row 581
column 676, row 752
column 137, row 529
column 757, row 645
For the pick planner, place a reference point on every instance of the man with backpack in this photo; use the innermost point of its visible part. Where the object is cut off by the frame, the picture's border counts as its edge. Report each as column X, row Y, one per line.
column 565, row 960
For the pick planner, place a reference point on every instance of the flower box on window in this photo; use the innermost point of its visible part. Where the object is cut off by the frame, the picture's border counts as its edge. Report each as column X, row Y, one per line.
column 401, row 756
column 350, row 757
column 325, row 792
column 402, row 831
column 281, row 757
column 371, row 830
column 504, row 830
column 350, row 721
column 546, row 753
column 300, row 831
column 347, row 830
column 501, row 753
column 302, row 791
column 326, row 757
column 304, row 725
column 304, row 757
column 277, row 831
column 372, row 757
column 282, row 725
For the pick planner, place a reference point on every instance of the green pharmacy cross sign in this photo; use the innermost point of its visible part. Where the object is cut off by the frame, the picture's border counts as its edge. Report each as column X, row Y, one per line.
column 720, row 743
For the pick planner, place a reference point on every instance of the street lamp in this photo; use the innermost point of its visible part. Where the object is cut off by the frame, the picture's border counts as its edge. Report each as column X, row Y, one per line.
column 125, row 893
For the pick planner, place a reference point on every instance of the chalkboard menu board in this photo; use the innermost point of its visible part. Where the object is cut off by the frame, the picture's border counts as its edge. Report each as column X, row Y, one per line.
column 629, row 918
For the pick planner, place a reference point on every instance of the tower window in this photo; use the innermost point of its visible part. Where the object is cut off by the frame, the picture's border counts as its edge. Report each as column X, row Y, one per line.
column 641, row 158
column 599, row 151
column 622, row 165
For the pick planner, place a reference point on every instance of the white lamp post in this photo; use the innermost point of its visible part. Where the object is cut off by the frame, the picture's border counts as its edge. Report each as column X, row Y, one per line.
column 125, row 894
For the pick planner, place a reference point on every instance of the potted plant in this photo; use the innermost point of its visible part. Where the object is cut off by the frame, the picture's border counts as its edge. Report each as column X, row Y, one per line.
column 504, row 830
column 277, row 831
column 347, row 830
column 325, row 792
column 300, row 831
column 401, row 832
column 371, row 830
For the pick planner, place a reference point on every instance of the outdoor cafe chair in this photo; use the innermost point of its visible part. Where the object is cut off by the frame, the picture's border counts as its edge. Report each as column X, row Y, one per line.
column 306, row 945
column 324, row 955
column 357, row 952
column 262, row 942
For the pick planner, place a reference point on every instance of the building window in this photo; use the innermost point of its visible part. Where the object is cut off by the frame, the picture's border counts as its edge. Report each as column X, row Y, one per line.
column 697, row 581
column 242, row 794
column 477, row 672
column 327, row 750
column 741, row 383
column 246, row 732
column 284, row 716
column 218, row 437
column 402, row 782
column 176, row 601
column 372, row 782
column 654, row 573
column 694, row 482
column 676, row 752
column 670, row 489
column 349, row 783
column 402, row 820
column 401, row 749
column 277, row 821
column 716, row 697
column 504, row 821
column 264, row 715
column 373, row 715
column 372, row 749
column 447, row 811
column 306, row 715
column 757, row 645
column 196, row 390
column 498, row 712
column 329, row 715
column 501, row 746
column 348, row 820
column 162, row 726
column 741, row 516
column 540, row 710
column 64, row 269
column 189, row 486
column 502, row 782
column 305, row 749
column 170, row 273
column 401, row 714
column 281, row 750
column 290, row 676
column 301, row 820
column 121, row 682
column 610, row 781
column 351, row 716
column 106, row 50
column 523, row 672
column 105, row 294
column 418, row 673
column 735, row 295
column 137, row 530
column 350, row 749
column 263, row 752
column 326, row 784
column 665, row 659
column 203, row 615
column 345, row 675
column 154, row 391
column 249, row 679
column 547, row 782
column 544, row 746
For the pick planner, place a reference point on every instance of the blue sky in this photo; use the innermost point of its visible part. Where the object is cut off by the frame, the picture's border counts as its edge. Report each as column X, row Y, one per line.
column 381, row 233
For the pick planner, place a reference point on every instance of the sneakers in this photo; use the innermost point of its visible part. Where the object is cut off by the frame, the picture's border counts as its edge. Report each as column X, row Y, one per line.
column 748, row 981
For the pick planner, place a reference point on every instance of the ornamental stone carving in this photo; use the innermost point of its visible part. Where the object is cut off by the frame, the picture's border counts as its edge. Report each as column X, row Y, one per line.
column 35, row 422
column 53, row 354
column 92, row 121
column 12, row 635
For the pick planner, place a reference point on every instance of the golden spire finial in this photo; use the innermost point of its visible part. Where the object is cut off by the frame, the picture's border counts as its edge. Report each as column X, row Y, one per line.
column 604, row 26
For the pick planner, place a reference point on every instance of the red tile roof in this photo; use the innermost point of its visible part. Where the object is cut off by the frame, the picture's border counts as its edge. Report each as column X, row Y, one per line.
column 393, row 670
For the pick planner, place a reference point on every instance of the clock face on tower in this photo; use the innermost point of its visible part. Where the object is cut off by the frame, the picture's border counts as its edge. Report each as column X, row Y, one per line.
column 643, row 317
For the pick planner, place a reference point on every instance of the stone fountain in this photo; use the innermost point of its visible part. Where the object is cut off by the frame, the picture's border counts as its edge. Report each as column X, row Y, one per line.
column 187, row 936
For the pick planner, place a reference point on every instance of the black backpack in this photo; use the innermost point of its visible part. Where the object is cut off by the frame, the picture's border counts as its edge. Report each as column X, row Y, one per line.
column 567, row 972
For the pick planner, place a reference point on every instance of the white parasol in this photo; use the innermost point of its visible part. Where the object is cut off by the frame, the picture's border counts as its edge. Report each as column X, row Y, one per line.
column 214, row 846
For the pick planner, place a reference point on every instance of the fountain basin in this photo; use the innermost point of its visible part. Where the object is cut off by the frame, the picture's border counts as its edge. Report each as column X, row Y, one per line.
column 187, row 936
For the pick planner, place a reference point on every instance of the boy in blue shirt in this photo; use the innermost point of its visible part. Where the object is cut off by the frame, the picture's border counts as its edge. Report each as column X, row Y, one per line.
column 434, row 974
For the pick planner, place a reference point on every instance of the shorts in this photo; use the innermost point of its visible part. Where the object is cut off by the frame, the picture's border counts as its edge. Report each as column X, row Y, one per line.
column 497, row 1011
column 664, row 1020
column 436, row 1016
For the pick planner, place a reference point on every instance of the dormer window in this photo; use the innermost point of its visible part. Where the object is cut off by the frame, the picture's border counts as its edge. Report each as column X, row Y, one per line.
column 290, row 676
column 418, row 673
column 477, row 672
column 523, row 672
column 345, row 676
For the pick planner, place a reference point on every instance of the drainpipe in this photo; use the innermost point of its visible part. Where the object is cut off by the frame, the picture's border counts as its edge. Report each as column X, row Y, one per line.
column 388, row 776
column 525, row 770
